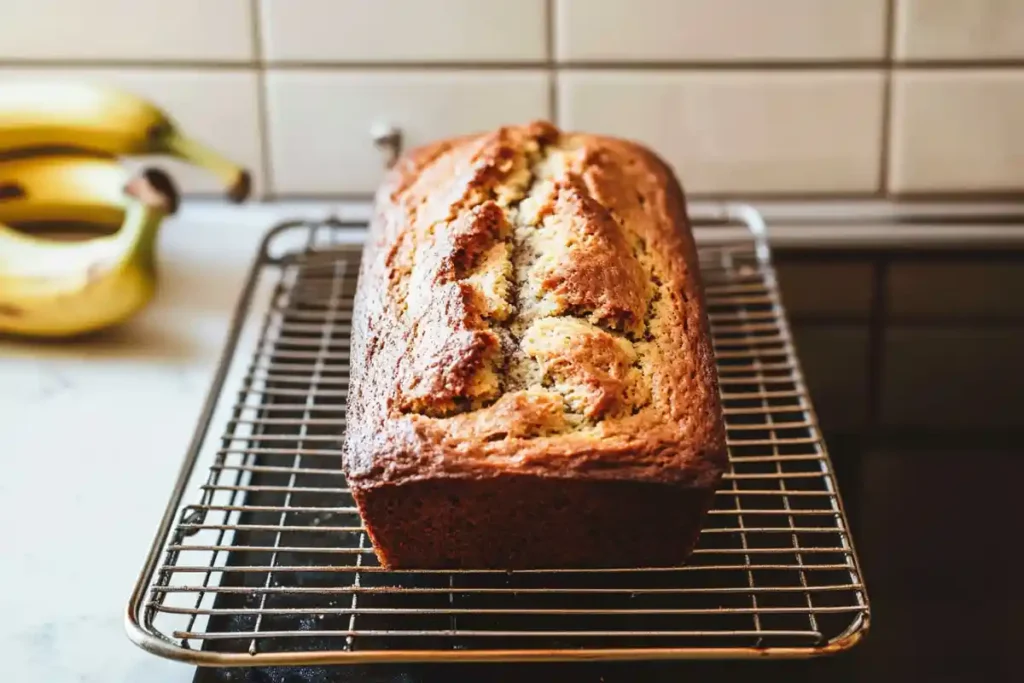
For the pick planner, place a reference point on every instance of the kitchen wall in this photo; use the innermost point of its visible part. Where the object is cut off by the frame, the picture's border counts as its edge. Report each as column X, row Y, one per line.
column 744, row 97
column 747, row 98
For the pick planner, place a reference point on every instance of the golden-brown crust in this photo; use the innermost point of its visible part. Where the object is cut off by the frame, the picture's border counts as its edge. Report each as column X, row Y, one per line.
column 530, row 304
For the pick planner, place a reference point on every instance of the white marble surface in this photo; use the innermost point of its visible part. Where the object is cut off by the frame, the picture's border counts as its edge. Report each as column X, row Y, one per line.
column 92, row 436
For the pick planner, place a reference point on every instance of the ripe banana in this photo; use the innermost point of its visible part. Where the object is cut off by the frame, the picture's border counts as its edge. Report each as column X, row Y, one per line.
column 65, row 289
column 62, row 189
column 101, row 119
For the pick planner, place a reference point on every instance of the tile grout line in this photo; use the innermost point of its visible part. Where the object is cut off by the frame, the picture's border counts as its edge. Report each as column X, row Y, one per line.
column 262, row 109
column 795, row 195
column 682, row 66
column 885, row 144
column 552, row 66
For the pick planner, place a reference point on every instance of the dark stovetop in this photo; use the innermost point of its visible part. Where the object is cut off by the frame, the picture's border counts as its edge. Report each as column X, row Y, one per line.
column 571, row 673
column 938, row 558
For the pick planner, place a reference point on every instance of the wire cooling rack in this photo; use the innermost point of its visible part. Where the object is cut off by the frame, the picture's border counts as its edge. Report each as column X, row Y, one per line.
column 261, row 559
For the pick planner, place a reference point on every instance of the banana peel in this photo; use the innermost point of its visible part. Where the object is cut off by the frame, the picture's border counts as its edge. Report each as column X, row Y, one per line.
column 52, row 289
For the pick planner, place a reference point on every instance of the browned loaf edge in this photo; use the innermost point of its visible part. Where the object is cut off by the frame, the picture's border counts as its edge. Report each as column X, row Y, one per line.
column 533, row 383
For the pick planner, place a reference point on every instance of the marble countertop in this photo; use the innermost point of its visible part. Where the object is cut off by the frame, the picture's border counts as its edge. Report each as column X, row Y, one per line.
column 92, row 435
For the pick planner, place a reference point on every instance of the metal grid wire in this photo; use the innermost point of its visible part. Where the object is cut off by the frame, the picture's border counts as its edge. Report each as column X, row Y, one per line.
column 269, row 564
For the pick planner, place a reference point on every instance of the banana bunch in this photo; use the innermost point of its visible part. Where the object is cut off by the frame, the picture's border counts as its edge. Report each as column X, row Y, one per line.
column 59, row 168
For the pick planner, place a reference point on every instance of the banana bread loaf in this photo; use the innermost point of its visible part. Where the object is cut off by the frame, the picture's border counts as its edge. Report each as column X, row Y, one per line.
column 533, row 384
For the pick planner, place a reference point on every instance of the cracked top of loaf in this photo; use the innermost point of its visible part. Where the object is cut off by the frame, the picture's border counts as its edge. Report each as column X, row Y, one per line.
column 529, row 302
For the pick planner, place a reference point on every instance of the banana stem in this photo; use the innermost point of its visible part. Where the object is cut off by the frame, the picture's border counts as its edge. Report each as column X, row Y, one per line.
column 236, row 178
column 139, row 231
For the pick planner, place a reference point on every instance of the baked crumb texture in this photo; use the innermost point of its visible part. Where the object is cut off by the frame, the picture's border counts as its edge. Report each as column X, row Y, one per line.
column 532, row 378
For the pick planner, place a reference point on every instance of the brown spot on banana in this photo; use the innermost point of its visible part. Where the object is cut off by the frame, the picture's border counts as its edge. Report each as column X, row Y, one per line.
column 11, row 190
column 95, row 272
column 11, row 311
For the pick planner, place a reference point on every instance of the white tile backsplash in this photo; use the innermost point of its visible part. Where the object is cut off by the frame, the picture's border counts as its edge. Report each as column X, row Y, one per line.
column 741, row 132
column 957, row 131
column 218, row 108
column 723, row 30
column 320, row 122
column 959, row 29
column 402, row 30
column 744, row 96
column 145, row 30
